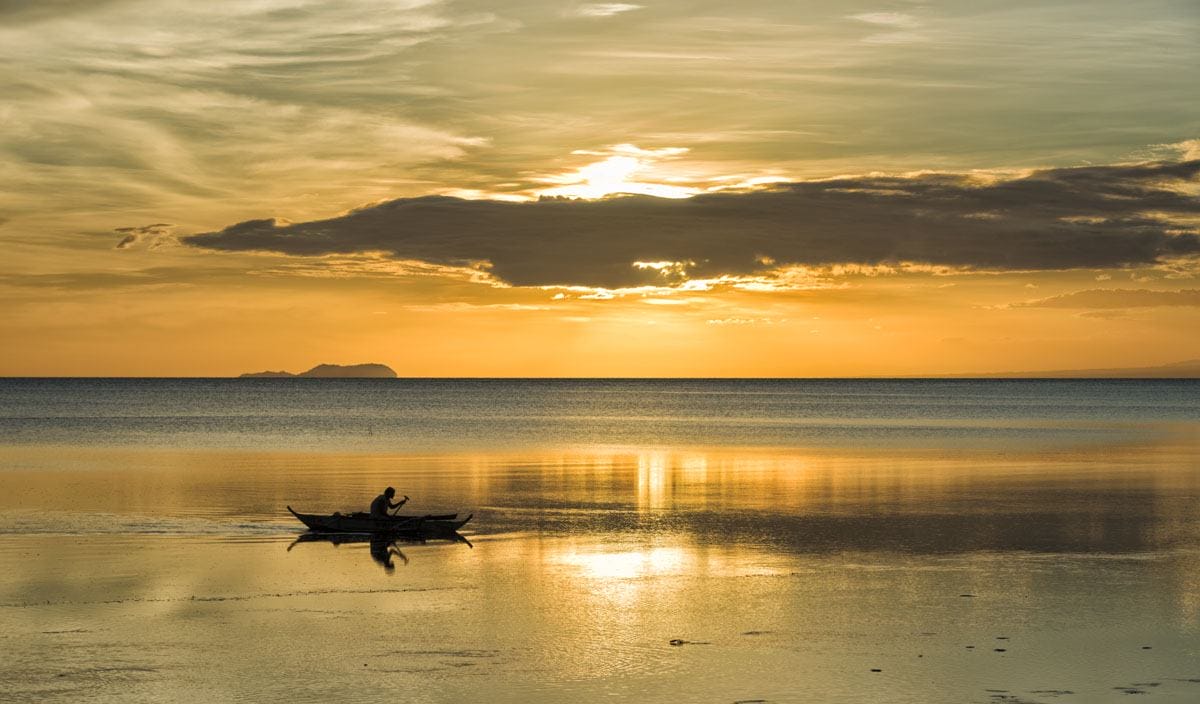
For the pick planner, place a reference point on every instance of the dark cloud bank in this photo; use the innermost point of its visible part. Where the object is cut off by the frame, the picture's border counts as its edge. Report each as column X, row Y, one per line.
column 1090, row 217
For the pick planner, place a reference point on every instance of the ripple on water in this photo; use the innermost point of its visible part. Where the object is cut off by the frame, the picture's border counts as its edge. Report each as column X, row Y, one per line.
column 605, row 657
column 26, row 522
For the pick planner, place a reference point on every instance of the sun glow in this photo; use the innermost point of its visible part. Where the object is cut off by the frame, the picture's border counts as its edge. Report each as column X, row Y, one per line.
column 616, row 175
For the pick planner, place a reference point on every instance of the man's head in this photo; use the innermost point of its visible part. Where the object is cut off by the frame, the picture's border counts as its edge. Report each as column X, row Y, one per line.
column 389, row 492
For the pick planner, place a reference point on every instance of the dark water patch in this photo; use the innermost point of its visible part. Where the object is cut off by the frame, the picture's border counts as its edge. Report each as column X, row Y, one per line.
column 71, row 630
column 454, row 653
column 106, row 670
column 1010, row 699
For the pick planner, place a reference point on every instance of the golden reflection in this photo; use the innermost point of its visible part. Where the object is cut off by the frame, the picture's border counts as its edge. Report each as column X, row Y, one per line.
column 694, row 469
column 628, row 564
column 792, row 481
column 791, row 562
column 652, row 480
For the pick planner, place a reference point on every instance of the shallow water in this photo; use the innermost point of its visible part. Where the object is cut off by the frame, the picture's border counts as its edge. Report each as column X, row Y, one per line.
column 1059, row 566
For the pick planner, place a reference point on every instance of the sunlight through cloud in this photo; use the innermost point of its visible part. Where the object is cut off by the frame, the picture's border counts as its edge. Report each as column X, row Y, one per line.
column 617, row 174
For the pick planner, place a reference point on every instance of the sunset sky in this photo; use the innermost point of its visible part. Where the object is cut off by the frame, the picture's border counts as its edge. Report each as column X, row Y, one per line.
column 555, row 188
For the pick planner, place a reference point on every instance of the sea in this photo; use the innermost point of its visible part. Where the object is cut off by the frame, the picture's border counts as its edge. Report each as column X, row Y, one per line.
column 765, row 540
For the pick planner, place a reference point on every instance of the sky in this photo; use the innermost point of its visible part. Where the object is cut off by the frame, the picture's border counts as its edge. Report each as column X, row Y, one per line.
column 555, row 188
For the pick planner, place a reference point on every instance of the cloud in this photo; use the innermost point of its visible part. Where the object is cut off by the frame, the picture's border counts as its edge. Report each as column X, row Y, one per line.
column 1111, row 314
column 899, row 23
column 465, row 307
column 604, row 9
column 129, row 109
column 39, row 10
column 1102, row 299
column 155, row 235
column 745, row 321
column 1189, row 148
column 89, row 281
column 620, row 172
column 887, row 19
column 1053, row 219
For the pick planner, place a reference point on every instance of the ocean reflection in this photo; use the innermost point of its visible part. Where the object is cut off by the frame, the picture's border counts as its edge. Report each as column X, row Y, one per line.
column 384, row 549
column 928, row 569
column 1113, row 500
column 626, row 564
column 1103, row 499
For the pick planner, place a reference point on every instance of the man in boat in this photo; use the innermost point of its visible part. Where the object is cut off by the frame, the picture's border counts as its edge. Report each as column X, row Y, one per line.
column 383, row 502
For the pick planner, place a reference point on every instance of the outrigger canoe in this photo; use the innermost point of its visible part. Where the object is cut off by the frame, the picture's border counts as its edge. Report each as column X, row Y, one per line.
column 363, row 523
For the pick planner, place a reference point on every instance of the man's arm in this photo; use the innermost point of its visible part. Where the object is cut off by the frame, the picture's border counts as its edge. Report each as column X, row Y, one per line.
column 399, row 503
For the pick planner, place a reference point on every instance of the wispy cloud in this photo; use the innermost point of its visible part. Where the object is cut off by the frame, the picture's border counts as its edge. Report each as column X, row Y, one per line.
column 312, row 107
column 888, row 19
column 117, row 105
column 604, row 9
column 154, row 235
column 901, row 27
column 32, row 11
column 745, row 321
column 1117, row 298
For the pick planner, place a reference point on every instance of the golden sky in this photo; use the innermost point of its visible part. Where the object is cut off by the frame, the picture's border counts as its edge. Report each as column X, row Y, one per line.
column 598, row 189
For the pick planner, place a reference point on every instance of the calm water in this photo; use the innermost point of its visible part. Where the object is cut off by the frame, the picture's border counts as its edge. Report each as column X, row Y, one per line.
column 974, row 541
column 452, row 415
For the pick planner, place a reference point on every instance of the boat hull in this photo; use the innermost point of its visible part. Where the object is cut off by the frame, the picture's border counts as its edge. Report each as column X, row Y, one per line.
column 412, row 525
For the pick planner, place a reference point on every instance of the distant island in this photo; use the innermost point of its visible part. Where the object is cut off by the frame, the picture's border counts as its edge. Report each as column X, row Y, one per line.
column 331, row 371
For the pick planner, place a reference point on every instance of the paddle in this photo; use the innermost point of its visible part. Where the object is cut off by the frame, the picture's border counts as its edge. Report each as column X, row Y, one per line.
column 400, row 506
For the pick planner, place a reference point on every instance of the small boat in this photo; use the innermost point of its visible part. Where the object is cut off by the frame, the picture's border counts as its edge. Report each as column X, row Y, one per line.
column 363, row 523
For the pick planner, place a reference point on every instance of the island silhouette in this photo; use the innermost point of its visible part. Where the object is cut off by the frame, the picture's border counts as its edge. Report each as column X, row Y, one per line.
column 331, row 371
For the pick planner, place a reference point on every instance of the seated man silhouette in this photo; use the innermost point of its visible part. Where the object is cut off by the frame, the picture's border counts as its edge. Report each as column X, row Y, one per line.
column 383, row 502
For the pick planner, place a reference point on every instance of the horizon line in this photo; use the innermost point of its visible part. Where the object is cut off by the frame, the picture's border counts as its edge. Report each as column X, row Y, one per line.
column 976, row 376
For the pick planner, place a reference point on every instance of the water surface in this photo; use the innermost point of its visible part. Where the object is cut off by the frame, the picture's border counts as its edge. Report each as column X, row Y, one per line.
column 972, row 541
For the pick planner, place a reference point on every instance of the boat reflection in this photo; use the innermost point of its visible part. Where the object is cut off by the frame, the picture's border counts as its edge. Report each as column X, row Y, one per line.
column 383, row 548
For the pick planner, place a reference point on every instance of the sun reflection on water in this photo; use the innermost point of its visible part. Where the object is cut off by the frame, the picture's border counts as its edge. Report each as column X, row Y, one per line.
column 628, row 564
column 652, row 480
